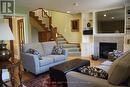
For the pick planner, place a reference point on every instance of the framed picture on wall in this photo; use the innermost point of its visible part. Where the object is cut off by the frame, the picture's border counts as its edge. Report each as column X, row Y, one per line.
column 75, row 25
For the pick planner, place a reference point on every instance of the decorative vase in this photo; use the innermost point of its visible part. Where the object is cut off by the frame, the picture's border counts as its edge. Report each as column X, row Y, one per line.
column 4, row 53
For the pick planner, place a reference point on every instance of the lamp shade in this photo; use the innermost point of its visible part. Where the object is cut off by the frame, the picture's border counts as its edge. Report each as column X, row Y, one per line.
column 5, row 32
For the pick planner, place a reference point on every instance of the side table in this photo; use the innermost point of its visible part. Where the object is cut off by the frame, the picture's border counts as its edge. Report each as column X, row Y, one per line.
column 11, row 65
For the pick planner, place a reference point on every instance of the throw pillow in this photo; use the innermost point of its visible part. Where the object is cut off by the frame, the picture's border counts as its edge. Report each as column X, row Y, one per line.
column 116, row 53
column 57, row 50
column 34, row 52
column 93, row 71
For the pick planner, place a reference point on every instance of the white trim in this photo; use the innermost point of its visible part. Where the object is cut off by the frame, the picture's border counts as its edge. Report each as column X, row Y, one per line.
column 110, row 34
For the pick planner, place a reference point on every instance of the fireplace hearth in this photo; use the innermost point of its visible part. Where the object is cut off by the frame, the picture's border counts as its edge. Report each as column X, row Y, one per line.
column 105, row 48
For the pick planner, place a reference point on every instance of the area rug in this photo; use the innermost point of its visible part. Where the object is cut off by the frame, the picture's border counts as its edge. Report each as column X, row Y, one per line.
column 41, row 81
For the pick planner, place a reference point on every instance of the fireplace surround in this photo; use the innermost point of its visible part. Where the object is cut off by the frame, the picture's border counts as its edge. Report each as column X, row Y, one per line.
column 118, row 39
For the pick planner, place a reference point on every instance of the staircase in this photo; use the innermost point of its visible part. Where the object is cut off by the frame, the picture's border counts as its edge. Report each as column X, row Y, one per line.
column 40, row 19
column 73, row 49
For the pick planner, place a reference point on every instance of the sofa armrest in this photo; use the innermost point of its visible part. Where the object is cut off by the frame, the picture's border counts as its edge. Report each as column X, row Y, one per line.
column 75, row 79
column 30, row 62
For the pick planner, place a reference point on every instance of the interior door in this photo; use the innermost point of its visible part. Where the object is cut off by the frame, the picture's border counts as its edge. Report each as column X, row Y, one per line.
column 20, row 25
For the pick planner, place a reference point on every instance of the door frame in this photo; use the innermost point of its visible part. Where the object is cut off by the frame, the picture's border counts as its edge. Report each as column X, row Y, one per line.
column 21, row 34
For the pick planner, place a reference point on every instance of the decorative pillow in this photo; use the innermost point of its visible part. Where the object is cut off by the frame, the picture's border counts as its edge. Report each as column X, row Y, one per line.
column 116, row 53
column 34, row 52
column 57, row 50
column 93, row 71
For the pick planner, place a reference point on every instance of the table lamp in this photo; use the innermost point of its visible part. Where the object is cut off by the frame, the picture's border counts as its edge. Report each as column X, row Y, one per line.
column 5, row 34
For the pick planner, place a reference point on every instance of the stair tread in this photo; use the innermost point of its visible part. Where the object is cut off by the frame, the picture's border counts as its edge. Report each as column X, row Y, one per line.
column 73, row 51
column 73, row 48
column 70, row 45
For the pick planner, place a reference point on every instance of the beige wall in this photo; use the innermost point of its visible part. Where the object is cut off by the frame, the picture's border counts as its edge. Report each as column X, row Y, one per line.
column 34, row 35
column 63, row 23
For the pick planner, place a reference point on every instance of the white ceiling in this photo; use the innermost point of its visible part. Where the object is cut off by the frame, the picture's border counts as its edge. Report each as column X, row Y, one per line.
column 68, row 5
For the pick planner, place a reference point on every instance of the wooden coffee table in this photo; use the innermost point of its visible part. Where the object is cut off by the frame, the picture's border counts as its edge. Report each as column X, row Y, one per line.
column 58, row 72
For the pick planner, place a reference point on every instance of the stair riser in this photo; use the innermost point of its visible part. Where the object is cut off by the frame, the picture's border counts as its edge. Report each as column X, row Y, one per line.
column 69, row 46
column 74, row 54
column 61, row 39
column 59, row 36
column 61, row 42
column 74, row 50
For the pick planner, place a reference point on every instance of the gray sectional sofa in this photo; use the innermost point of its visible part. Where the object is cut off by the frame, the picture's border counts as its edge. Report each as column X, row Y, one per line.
column 118, row 75
column 33, row 64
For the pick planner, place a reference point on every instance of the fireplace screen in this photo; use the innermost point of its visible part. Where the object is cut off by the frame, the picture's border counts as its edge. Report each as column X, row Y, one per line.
column 105, row 48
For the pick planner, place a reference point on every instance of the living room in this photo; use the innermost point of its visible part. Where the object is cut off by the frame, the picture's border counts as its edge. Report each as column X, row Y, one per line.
column 85, row 30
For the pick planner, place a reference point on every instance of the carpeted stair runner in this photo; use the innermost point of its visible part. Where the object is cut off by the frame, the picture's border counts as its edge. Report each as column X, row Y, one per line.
column 73, row 49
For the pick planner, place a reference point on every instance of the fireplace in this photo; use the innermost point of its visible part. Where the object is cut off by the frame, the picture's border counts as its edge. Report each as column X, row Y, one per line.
column 105, row 47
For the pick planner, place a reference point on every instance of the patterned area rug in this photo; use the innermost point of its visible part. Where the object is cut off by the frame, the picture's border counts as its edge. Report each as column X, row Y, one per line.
column 41, row 81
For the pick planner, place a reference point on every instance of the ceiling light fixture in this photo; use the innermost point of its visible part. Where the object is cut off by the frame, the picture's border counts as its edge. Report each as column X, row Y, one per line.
column 75, row 4
column 67, row 11
column 105, row 15
column 112, row 17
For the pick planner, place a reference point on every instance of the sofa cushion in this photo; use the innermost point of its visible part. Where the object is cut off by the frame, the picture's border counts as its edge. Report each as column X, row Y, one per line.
column 57, row 50
column 57, row 58
column 36, row 46
column 46, row 61
column 120, row 70
column 48, row 46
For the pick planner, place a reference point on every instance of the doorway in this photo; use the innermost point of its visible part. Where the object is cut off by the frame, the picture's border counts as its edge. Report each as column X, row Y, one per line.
column 20, row 26
column 17, row 26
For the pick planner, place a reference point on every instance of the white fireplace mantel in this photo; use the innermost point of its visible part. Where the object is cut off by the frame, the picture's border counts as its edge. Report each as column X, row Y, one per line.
column 119, row 39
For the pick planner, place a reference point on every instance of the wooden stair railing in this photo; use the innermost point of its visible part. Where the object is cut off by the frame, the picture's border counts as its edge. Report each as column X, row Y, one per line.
column 49, row 32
